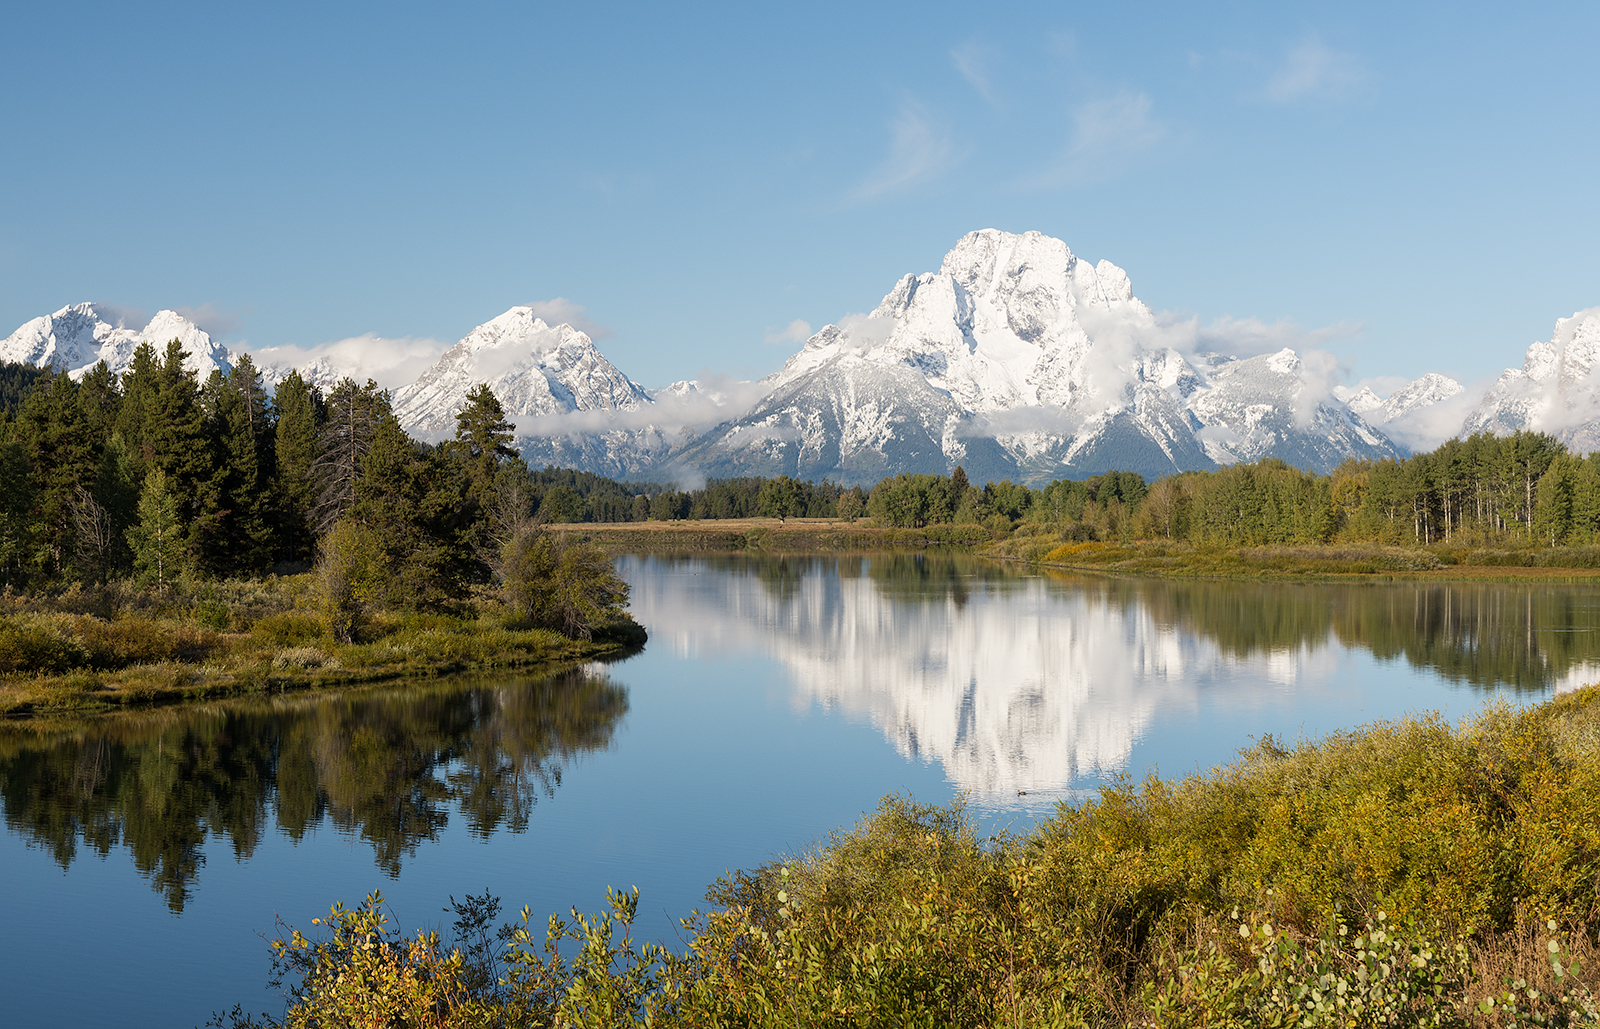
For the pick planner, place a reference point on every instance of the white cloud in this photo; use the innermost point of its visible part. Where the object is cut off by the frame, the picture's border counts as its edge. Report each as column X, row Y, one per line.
column 796, row 331
column 1109, row 135
column 687, row 406
column 1313, row 71
column 918, row 150
column 1245, row 337
column 1424, row 428
column 560, row 309
column 866, row 330
column 972, row 61
column 391, row 363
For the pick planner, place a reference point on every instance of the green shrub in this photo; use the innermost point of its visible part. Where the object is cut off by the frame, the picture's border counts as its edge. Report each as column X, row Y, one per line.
column 288, row 628
column 38, row 644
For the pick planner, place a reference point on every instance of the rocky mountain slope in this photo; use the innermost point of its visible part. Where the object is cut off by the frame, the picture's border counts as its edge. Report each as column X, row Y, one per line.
column 1557, row 389
column 572, row 407
column 1016, row 359
column 79, row 336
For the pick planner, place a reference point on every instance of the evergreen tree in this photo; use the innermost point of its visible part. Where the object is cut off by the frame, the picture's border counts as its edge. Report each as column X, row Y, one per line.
column 100, row 397
column 300, row 418
column 354, row 415
column 19, row 551
column 414, row 509
column 482, row 449
column 141, row 384
column 63, row 455
column 240, row 538
column 157, row 539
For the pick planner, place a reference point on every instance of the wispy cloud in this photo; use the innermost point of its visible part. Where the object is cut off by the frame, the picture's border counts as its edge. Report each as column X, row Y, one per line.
column 919, row 149
column 796, row 331
column 1313, row 71
column 973, row 60
column 560, row 309
column 1109, row 135
column 390, row 362
column 1245, row 337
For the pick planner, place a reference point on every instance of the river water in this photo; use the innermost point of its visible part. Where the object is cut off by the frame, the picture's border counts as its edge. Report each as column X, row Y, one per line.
column 144, row 857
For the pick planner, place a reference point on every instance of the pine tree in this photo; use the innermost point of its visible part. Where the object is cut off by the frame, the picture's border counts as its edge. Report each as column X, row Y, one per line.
column 300, row 417
column 63, row 455
column 354, row 415
column 157, row 539
column 241, row 537
column 141, row 384
column 482, row 450
column 19, row 525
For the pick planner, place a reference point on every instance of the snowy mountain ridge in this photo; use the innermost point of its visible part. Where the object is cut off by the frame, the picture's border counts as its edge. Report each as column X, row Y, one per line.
column 79, row 336
column 1557, row 389
column 1016, row 359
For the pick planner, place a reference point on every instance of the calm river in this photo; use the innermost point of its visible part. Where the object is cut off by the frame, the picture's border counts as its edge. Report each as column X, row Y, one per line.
column 144, row 856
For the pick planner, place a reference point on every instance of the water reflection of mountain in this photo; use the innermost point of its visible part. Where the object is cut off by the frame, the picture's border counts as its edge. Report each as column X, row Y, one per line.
column 388, row 766
column 1015, row 682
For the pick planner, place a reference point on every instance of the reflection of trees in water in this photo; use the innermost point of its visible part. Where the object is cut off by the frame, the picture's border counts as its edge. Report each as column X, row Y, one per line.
column 1482, row 634
column 915, row 576
column 389, row 767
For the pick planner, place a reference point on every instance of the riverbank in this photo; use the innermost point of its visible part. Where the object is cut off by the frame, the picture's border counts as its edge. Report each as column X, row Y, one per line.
column 768, row 535
column 112, row 647
column 1038, row 545
column 1404, row 873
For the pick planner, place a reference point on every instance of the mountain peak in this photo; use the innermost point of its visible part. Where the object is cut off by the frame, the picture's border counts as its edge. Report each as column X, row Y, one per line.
column 79, row 336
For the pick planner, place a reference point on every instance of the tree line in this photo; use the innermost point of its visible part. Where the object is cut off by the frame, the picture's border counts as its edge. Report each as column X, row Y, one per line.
column 154, row 474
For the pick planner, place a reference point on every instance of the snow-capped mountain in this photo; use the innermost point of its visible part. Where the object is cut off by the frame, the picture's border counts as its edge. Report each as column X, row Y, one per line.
column 1419, row 415
column 1414, row 396
column 1017, row 359
column 79, row 336
column 1262, row 406
column 1557, row 389
column 570, row 404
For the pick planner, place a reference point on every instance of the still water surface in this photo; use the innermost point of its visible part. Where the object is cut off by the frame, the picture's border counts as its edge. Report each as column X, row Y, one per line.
column 143, row 856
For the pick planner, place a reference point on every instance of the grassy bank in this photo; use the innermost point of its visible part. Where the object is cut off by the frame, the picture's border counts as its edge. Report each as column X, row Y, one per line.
column 115, row 646
column 790, row 536
column 1307, row 562
column 1410, row 873
column 1038, row 544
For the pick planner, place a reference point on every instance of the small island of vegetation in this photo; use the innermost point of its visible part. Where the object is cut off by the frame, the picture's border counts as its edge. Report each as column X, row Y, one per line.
column 162, row 538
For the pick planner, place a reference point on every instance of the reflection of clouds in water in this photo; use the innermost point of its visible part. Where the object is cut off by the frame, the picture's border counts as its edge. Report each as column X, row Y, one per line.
column 1020, row 685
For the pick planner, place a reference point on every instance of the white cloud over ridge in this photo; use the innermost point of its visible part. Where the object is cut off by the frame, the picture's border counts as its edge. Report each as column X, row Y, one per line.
column 560, row 309
column 389, row 362
column 797, row 331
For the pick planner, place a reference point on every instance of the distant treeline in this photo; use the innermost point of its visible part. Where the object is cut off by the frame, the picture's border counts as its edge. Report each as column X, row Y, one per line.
column 1526, row 487
column 155, row 474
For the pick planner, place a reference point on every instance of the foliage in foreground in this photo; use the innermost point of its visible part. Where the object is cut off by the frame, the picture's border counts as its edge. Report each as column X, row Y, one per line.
column 1408, row 873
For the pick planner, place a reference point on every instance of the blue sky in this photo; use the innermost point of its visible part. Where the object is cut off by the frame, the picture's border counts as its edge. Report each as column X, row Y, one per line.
column 1420, row 177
